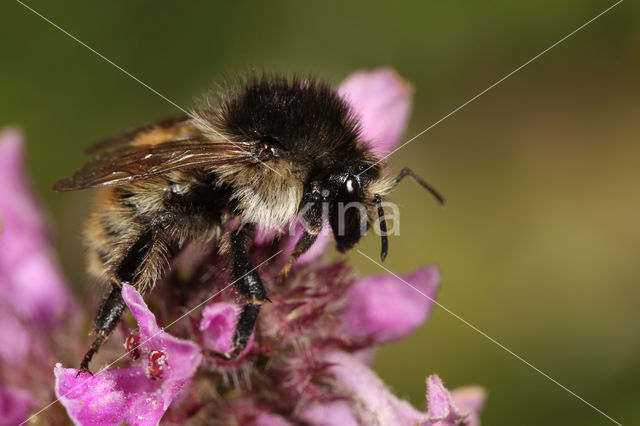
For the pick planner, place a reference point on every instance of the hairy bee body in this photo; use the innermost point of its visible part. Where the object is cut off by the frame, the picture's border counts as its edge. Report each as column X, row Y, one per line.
column 264, row 152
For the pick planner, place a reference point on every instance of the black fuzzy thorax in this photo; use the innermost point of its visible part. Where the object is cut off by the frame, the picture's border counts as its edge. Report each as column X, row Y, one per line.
column 307, row 117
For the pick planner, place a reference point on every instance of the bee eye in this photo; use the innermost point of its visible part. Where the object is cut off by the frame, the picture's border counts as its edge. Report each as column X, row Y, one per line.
column 273, row 142
column 269, row 147
column 350, row 190
column 347, row 219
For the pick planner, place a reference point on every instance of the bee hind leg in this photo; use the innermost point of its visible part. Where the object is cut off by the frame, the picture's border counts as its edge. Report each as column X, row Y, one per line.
column 113, row 305
column 249, row 285
column 108, row 316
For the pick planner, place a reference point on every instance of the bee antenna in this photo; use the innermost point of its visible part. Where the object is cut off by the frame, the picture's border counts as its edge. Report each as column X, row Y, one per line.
column 383, row 228
column 407, row 172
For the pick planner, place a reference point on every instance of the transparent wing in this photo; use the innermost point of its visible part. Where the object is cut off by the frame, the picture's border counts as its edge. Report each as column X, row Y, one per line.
column 135, row 163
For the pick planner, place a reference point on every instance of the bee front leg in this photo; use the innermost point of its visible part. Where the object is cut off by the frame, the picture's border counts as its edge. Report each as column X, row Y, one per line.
column 249, row 284
column 113, row 305
column 312, row 220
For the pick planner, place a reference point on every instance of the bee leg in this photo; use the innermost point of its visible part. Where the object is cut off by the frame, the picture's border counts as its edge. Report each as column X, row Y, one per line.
column 250, row 285
column 108, row 316
column 113, row 305
column 312, row 219
column 304, row 243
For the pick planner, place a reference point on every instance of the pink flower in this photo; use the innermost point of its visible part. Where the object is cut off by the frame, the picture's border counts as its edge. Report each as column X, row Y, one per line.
column 371, row 402
column 137, row 395
column 27, row 270
column 35, row 300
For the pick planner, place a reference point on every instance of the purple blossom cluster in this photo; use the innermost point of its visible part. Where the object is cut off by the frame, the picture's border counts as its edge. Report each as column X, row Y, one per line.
column 308, row 361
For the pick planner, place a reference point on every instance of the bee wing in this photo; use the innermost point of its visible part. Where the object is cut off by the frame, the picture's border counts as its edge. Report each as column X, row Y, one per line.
column 148, row 134
column 135, row 163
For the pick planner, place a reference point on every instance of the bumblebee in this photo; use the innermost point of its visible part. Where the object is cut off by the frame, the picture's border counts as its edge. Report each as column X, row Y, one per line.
column 263, row 151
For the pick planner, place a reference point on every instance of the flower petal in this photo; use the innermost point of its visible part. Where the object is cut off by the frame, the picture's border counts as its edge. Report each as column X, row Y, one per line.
column 382, row 100
column 335, row 413
column 370, row 400
column 28, row 271
column 470, row 398
column 183, row 356
column 442, row 407
column 112, row 397
column 372, row 403
column 127, row 394
column 14, row 405
column 218, row 325
column 382, row 308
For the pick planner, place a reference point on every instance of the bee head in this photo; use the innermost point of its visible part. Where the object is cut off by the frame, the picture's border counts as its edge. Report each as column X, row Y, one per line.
column 311, row 159
column 354, row 197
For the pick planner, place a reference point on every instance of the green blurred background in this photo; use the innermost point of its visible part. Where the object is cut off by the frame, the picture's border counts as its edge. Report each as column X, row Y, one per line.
column 539, row 242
